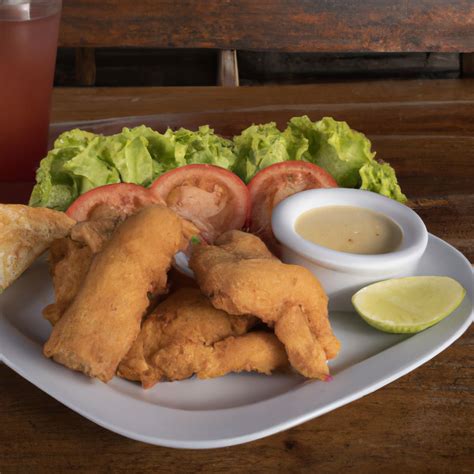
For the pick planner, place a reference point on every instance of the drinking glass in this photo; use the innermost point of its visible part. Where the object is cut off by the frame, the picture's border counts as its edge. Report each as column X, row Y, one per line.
column 28, row 44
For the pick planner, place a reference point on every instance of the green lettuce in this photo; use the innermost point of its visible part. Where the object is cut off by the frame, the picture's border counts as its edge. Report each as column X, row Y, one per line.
column 334, row 146
column 380, row 178
column 80, row 161
column 74, row 138
column 55, row 186
column 134, row 154
column 89, row 169
column 202, row 146
column 75, row 165
column 259, row 146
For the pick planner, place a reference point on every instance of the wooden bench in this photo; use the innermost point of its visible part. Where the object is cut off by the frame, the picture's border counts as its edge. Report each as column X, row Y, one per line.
column 267, row 25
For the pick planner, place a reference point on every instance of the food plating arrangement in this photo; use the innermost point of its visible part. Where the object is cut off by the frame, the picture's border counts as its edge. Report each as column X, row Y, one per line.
column 184, row 253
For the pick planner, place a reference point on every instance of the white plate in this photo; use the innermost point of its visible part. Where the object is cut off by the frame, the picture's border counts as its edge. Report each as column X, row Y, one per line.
column 236, row 408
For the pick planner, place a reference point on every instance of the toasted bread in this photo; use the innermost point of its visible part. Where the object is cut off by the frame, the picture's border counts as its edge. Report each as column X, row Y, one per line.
column 25, row 233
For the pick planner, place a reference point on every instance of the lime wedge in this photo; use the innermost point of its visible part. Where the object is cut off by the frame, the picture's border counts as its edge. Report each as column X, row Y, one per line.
column 408, row 305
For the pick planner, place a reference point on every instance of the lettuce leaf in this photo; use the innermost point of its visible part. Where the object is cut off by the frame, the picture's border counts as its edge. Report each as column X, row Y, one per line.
column 159, row 148
column 202, row 146
column 128, row 152
column 55, row 187
column 89, row 169
column 335, row 147
column 81, row 160
column 259, row 146
column 74, row 138
column 380, row 178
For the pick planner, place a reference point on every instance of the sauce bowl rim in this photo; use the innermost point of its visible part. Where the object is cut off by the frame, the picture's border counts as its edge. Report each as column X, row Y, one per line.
column 414, row 233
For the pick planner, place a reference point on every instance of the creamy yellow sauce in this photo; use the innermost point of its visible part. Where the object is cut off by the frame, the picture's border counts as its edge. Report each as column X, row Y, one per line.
column 349, row 229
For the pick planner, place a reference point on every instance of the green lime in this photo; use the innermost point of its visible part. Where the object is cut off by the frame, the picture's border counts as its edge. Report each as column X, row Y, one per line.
column 408, row 305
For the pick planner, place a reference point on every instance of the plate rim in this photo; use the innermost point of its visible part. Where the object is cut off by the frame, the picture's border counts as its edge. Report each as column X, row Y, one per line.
column 365, row 387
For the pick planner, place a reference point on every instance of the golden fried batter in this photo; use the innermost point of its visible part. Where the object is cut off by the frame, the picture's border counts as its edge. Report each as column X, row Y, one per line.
column 25, row 233
column 241, row 277
column 69, row 262
column 70, row 259
column 186, row 335
column 257, row 351
column 94, row 233
column 100, row 325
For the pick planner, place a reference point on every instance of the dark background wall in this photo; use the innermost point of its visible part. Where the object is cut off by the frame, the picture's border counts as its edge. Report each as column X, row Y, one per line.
column 186, row 67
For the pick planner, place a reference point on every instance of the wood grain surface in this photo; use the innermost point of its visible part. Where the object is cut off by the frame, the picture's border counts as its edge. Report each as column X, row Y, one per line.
column 277, row 25
column 419, row 423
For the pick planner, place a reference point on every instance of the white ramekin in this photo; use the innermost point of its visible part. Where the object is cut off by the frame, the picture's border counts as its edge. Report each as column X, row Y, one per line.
column 341, row 273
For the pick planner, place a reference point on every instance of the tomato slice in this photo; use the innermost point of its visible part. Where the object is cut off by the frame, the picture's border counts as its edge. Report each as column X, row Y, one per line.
column 275, row 183
column 119, row 199
column 212, row 198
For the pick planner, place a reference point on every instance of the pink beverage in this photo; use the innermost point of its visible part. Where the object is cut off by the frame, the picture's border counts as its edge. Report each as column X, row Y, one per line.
column 28, row 43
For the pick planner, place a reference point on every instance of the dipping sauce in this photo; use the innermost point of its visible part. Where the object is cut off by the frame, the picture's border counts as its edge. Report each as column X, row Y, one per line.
column 349, row 229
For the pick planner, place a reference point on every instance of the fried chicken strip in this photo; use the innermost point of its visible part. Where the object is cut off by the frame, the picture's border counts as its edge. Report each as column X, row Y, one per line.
column 186, row 335
column 241, row 277
column 69, row 262
column 70, row 258
column 257, row 351
column 103, row 320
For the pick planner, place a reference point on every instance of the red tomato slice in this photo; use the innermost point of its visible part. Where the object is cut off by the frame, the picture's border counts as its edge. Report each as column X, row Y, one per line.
column 121, row 198
column 212, row 198
column 275, row 183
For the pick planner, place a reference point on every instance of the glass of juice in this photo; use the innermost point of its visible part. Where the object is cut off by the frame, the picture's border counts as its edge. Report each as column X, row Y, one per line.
column 28, row 44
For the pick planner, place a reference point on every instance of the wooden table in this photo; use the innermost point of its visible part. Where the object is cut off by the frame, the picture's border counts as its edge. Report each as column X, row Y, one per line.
column 421, row 423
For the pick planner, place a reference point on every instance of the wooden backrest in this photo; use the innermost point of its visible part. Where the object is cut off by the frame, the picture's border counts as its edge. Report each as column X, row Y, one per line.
column 266, row 25
column 277, row 25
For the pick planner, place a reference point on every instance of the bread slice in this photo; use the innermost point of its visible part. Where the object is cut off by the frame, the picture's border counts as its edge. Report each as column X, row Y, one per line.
column 25, row 233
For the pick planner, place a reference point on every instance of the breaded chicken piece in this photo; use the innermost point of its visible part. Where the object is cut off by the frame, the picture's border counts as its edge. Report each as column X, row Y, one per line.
column 69, row 262
column 241, row 277
column 94, row 233
column 186, row 335
column 257, row 351
column 70, row 259
column 101, row 324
